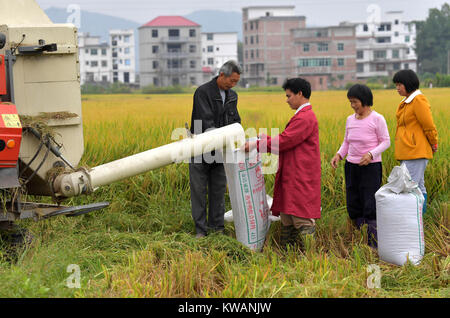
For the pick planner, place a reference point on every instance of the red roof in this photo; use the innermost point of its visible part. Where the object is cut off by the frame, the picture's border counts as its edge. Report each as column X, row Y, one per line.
column 166, row 21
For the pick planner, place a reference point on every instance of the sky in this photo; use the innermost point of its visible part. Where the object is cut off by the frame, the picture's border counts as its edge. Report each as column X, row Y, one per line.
column 317, row 12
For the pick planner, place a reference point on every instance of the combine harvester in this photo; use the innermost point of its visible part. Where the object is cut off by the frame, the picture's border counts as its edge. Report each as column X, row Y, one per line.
column 40, row 82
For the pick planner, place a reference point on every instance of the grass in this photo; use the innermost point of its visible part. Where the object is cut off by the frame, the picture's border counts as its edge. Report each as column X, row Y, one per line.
column 142, row 245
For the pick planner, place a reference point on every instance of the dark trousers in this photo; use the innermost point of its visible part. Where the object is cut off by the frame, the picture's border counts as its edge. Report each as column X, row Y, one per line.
column 207, row 179
column 361, row 183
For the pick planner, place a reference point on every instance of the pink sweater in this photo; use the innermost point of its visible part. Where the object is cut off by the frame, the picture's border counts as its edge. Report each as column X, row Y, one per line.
column 364, row 135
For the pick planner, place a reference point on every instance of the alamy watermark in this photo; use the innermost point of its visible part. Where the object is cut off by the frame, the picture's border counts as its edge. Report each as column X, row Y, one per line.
column 374, row 279
column 74, row 280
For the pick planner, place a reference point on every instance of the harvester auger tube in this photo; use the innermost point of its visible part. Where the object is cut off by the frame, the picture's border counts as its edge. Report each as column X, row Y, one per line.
column 85, row 181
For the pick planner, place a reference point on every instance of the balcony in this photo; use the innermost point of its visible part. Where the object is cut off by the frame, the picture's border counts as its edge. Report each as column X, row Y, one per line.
column 178, row 55
column 176, row 39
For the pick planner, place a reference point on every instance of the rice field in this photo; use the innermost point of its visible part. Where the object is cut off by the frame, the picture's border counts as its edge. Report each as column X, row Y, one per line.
column 143, row 244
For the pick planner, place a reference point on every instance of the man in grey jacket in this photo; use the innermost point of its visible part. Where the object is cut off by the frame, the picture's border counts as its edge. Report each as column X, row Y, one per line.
column 215, row 105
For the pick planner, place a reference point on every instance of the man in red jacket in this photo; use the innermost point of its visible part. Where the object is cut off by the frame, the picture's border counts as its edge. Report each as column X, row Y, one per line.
column 296, row 195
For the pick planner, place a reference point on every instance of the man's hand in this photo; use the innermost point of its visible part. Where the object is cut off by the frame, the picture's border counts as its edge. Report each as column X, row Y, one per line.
column 366, row 159
column 249, row 146
column 334, row 162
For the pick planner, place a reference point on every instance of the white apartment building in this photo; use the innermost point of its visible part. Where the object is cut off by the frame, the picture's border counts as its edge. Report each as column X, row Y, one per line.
column 384, row 48
column 95, row 59
column 123, row 56
column 217, row 48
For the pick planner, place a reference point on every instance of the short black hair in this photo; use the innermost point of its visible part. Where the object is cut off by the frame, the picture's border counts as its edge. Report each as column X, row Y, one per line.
column 361, row 92
column 295, row 85
column 408, row 78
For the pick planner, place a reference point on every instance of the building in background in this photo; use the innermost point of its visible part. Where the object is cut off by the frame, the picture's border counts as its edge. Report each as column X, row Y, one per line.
column 217, row 48
column 123, row 56
column 95, row 59
column 267, row 43
column 325, row 56
column 170, row 52
column 386, row 48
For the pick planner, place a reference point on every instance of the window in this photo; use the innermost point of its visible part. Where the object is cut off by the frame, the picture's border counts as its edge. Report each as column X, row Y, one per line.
column 173, row 64
column 359, row 67
column 381, row 67
column 209, row 36
column 104, row 78
column 407, row 38
column 174, row 33
column 385, row 39
column 322, row 47
column 251, row 54
column 104, row 52
column 94, row 63
column 305, row 47
column 340, row 62
column 192, row 48
column 396, row 34
column 210, row 48
column 155, row 65
column 192, row 33
column 251, row 25
column 193, row 80
column 340, row 46
column 155, row 49
column 314, row 62
column 155, row 81
column 379, row 54
column 154, row 33
column 104, row 63
column 406, row 66
column 395, row 54
column 365, row 28
column 396, row 22
column 127, row 62
column 94, row 52
column 210, row 61
column 246, row 42
column 217, row 48
column 359, row 54
column 396, row 66
column 86, row 51
column 126, row 39
column 127, row 50
column 192, row 64
column 251, row 39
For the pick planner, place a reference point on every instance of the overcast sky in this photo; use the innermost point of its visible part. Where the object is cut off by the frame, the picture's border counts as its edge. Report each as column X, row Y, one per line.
column 317, row 12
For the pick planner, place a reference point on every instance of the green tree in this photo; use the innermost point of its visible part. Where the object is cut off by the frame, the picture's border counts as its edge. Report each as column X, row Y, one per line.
column 433, row 41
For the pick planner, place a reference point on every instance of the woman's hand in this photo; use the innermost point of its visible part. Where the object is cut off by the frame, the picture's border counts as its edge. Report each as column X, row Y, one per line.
column 434, row 148
column 366, row 159
column 334, row 162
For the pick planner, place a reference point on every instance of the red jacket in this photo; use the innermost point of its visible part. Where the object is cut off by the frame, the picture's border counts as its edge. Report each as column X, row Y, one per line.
column 297, row 183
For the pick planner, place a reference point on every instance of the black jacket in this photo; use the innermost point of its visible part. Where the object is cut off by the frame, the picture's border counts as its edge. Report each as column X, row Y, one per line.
column 209, row 109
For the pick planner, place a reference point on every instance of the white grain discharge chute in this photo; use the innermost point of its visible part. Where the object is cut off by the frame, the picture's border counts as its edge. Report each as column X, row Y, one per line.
column 85, row 181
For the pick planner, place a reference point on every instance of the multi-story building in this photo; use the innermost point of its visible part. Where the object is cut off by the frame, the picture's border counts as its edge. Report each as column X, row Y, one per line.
column 325, row 56
column 123, row 56
column 95, row 59
column 170, row 52
column 267, row 43
column 384, row 48
column 217, row 48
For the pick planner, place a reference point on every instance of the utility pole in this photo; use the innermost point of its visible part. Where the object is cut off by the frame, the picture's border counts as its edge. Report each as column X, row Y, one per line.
column 448, row 62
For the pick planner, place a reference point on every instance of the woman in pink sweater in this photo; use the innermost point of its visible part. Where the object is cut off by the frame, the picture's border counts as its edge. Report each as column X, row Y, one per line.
column 366, row 137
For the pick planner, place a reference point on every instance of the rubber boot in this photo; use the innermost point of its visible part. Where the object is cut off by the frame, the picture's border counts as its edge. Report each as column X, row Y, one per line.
column 424, row 209
column 372, row 233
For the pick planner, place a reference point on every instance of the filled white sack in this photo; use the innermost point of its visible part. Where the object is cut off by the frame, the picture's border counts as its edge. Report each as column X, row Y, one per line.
column 399, row 206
